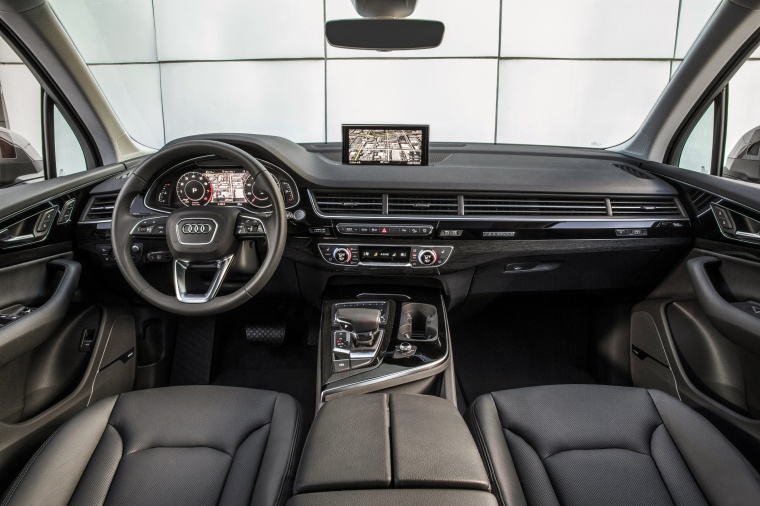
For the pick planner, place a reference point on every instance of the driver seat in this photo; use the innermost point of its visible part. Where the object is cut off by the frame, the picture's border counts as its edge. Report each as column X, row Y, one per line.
column 190, row 445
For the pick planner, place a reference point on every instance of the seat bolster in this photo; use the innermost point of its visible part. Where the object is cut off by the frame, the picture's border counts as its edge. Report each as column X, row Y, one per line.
column 274, row 484
column 485, row 425
column 721, row 472
column 53, row 473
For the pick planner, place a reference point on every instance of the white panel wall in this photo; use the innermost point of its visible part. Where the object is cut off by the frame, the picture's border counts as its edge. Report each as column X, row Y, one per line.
column 743, row 103
column 239, row 29
column 576, row 103
column 134, row 92
column 455, row 97
column 22, row 95
column 177, row 67
column 589, row 28
column 284, row 98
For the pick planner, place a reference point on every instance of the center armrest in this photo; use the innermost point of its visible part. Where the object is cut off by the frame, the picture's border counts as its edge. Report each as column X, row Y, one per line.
column 390, row 441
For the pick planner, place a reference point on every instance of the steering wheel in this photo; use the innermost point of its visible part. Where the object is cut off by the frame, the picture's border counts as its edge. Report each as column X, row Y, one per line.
column 200, row 236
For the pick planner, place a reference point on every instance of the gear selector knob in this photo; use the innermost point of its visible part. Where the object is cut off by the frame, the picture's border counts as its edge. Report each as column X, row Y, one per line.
column 358, row 320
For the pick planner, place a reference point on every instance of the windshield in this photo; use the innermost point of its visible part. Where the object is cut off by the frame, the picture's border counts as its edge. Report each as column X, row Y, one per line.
column 556, row 72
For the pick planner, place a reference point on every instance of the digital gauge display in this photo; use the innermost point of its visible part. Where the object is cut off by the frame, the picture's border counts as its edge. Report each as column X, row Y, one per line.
column 224, row 187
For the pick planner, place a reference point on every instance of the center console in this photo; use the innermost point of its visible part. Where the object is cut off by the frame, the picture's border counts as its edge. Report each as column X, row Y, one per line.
column 372, row 341
column 391, row 449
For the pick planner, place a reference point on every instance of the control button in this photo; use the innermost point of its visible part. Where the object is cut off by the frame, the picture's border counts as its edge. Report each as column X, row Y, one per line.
column 341, row 365
column 631, row 232
column 427, row 257
column 299, row 215
column 374, row 230
column 319, row 231
column 450, row 233
column 384, row 230
column 159, row 229
column 341, row 339
column 342, row 255
column 720, row 212
column 45, row 220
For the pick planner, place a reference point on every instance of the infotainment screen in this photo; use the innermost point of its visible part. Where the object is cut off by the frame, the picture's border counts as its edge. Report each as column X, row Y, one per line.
column 385, row 144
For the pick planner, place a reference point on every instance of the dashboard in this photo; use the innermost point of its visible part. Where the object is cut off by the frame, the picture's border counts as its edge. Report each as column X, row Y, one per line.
column 211, row 181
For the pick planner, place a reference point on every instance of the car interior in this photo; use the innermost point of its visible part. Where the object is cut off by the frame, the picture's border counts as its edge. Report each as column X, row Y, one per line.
column 395, row 309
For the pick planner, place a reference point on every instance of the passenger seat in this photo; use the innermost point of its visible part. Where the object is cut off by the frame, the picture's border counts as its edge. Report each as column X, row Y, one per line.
column 603, row 445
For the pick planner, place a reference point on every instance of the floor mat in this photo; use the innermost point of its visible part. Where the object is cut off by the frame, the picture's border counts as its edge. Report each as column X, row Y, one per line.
column 520, row 343
column 290, row 368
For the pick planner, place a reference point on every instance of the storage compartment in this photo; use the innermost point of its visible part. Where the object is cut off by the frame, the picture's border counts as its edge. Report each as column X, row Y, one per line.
column 376, row 442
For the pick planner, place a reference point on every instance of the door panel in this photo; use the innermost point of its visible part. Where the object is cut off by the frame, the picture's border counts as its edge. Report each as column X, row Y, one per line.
column 61, row 348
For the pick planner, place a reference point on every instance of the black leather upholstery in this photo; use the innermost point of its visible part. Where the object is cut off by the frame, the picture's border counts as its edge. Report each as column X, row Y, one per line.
column 589, row 445
column 194, row 445
column 396, row 497
column 384, row 441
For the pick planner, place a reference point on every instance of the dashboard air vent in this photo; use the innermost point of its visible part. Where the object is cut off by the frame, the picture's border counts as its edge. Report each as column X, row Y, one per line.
column 644, row 206
column 633, row 171
column 700, row 199
column 433, row 205
column 100, row 208
column 546, row 206
column 349, row 203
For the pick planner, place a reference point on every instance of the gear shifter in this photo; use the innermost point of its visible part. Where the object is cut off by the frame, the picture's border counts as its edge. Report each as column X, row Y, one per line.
column 362, row 323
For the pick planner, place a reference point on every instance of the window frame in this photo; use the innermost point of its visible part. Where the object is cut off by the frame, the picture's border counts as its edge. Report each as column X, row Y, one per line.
column 52, row 96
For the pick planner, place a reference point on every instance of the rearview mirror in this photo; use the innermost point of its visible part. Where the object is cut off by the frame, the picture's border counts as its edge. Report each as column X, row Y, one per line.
column 743, row 162
column 384, row 34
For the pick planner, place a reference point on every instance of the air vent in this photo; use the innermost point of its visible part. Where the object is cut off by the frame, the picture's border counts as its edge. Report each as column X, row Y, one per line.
column 100, row 208
column 349, row 203
column 633, row 171
column 700, row 199
column 520, row 206
column 644, row 206
column 433, row 205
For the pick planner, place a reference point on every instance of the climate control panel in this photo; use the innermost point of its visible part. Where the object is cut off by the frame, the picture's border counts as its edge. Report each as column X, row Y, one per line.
column 381, row 255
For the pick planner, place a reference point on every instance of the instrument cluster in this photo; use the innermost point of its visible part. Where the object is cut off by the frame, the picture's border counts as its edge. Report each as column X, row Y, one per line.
column 214, row 182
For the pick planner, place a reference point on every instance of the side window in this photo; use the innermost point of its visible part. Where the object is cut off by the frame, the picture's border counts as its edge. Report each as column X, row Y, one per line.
column 697, row 152
column 727, row 143
column 21, row 128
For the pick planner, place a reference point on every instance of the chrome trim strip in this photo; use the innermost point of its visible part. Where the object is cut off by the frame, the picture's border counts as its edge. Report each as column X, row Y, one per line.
column 475, row 218
column 180, row 271
column 436, row 364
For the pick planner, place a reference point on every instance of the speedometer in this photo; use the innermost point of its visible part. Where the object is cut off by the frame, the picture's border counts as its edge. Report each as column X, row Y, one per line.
column 254, row 195
column 194, row 189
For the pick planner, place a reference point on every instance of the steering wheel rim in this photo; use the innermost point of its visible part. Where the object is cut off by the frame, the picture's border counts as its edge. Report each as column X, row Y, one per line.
column 123, row 223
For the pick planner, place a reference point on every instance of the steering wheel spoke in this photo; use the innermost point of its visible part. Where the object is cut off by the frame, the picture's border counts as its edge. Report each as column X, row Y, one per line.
column 181, row 268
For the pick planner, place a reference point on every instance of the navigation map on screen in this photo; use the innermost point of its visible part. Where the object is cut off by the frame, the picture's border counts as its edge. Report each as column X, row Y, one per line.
column 377, row 146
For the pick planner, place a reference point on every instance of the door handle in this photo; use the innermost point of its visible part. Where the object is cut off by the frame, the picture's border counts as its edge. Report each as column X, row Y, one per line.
column 736, row 325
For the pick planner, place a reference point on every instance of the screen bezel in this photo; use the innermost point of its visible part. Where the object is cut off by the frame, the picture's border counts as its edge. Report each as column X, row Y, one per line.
column 425, row 143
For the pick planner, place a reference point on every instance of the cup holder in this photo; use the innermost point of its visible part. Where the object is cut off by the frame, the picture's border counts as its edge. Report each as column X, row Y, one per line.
column 419, row 322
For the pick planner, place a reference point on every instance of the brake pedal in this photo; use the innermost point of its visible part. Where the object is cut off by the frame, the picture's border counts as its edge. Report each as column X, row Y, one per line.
column 266, row 334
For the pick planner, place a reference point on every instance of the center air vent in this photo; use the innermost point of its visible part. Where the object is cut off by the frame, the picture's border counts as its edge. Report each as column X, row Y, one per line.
column 100, row 208
column 644, row 206
column 433, row 205
column 521, row 206
column 349, row 203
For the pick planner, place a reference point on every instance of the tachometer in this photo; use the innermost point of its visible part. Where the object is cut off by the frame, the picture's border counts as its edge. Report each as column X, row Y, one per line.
column 193, row 189
column 254, row 195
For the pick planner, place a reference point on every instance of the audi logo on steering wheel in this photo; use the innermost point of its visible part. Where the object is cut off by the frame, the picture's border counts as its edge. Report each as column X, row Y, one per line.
column 196, row 228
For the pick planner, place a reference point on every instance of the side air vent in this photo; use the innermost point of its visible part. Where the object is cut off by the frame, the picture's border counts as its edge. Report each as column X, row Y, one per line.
column 633, row 171
column 644, row 206
column 100, row 208
column 700, row 199
column 519, row 206
column 434, row 205
column 349, row 203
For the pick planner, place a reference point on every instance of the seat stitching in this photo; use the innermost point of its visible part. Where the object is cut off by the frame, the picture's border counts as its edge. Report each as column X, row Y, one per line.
column 657, row 466
column 194, row 446
column 482, row 447
column 548, row 476
column 28, row 465
column 266, row 445
column 593, row 450
column 741, row 457
column 291, row 453
column 246, row 438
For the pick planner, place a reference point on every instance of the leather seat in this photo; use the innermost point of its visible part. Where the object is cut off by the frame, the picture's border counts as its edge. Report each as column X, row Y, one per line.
column 589, row 445
column 193, row 445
